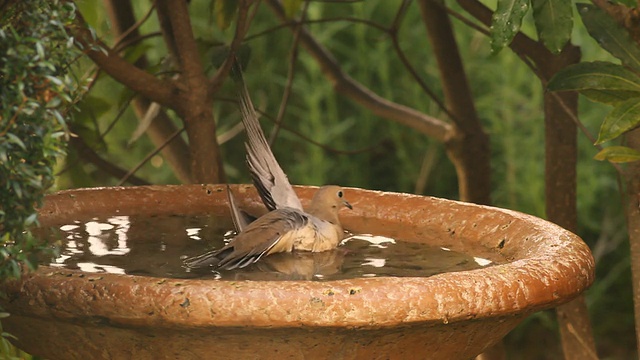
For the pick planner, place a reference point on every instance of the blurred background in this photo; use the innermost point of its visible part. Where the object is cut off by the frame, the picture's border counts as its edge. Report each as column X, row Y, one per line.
column 327, row 138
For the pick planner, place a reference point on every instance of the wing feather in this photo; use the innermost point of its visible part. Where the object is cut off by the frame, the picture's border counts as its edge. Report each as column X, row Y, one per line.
column 272, row 183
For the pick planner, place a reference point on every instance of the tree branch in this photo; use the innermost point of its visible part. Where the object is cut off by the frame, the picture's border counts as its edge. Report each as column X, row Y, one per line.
column 469, row 147
column 293, row 57
column 242, row 26
column 346, row 85
column 86, row 153
column 629, row 18
column 140, row 81
column 177, row 151
column 196, row 105
column 187, row 49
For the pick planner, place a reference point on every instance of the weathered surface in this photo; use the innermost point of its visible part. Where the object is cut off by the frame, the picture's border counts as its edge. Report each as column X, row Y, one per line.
column 449, row 316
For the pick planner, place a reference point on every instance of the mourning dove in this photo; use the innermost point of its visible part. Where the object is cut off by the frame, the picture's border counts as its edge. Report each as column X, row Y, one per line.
column 287, row 226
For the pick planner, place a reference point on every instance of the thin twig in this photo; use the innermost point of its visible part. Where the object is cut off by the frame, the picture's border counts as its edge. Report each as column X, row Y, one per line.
column 149, row 156
column 291, row 23
column 308, row 139
column 582, row 342
column 242, row 26
column 293, row 56
column 135, row 40
column 123, row 108
column 134, row 27
column 348, row 86
column 138, row 80
column 393, row 32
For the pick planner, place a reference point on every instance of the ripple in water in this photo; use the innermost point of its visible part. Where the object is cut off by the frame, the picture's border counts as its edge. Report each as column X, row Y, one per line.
column 156, row 246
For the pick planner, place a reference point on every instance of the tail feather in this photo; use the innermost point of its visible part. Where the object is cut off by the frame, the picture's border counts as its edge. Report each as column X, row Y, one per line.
column 209, row 259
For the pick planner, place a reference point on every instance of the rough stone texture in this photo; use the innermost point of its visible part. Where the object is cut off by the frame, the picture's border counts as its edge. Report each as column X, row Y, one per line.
column 70, row 314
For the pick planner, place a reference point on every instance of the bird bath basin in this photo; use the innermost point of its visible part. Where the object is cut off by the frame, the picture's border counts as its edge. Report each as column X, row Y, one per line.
column 66, row 314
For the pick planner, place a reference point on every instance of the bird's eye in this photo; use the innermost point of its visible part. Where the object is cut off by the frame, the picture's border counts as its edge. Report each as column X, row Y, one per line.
column 340, row 193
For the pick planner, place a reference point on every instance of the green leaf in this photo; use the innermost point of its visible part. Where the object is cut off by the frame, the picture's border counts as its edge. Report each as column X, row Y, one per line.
column 506, row 22
column 4, row 315
column 291, row 7
column 40, row 50
column 16, row 140
column 629, row 3
column 624, row 117
column 8, row 336
column 618, row 154
column 610, row 35
column 597, row 75
column 599, row 81
column 609, row 97
column 225, row 11
column 554, row 22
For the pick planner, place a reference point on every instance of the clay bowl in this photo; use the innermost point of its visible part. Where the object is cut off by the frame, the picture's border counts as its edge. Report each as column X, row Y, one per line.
column 65, row 314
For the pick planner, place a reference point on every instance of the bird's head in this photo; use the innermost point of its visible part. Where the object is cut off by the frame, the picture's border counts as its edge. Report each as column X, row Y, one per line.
column 330, row 198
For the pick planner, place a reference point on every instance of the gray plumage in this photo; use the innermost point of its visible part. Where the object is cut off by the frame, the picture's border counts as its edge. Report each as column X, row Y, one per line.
column 287, row 226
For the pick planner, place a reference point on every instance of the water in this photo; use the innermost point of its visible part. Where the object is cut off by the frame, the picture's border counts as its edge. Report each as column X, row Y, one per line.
column 156, row 246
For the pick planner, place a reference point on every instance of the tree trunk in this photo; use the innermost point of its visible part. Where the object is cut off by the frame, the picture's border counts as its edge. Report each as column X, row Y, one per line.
column 560, row 196
column 161, row 128
column 195, row 107
column 468, row 146
column 632, row 178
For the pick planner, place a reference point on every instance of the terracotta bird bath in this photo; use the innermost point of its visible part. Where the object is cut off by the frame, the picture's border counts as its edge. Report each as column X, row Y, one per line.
column 69, row 314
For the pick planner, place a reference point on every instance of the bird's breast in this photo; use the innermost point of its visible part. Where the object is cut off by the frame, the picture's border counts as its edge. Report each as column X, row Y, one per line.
column 317, row 236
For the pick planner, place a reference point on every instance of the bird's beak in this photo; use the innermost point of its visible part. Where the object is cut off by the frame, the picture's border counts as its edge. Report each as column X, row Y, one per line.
column 346, row 203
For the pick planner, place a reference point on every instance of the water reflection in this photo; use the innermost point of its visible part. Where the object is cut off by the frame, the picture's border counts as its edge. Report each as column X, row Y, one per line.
column 155, row 246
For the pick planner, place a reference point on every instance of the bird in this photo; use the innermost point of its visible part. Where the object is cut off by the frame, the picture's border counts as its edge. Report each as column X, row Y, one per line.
column 287, row 226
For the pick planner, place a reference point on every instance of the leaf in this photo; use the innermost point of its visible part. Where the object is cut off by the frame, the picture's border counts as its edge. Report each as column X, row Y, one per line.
column 609, row 97
column 554, row 22
column 624, row 117
column 16, row 140
column 610, row 35
column 225, row 11
column 40, row 50
column 506, row 22
column 597, row 75
column 618, row 154
column 143, row 125
column 7, row 335
column 291, row 7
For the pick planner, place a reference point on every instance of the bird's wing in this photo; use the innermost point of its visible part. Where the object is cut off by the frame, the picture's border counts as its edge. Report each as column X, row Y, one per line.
column 268, row 177
column 273, row 232
column 241, row 219
column 206, row 260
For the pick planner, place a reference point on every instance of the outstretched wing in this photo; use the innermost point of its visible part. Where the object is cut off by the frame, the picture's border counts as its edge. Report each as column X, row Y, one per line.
column 268, row 177
column 273, row 232
column 241, row 219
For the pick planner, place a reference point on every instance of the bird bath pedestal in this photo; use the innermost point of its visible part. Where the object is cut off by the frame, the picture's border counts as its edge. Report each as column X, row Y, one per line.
column 68, row 314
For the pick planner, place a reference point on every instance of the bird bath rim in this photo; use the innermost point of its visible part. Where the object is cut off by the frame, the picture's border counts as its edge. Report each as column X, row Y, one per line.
column 547, row 266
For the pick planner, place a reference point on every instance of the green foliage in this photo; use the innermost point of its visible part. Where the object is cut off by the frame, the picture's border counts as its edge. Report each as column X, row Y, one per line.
column 623, row 117
column 618, row 154
column 35, row 90
column 610, row 35
column 506, row 22
column 554, row 22
column 225, row 11
column 608, row 83
column 603, row 81
column 291, row 7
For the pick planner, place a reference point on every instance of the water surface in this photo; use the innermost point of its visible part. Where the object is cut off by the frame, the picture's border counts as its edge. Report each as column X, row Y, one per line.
column 156, row 246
